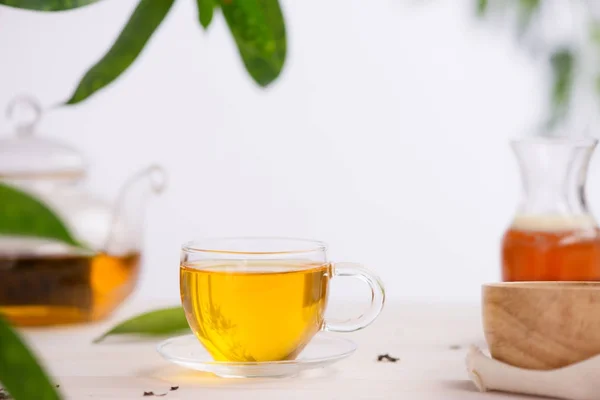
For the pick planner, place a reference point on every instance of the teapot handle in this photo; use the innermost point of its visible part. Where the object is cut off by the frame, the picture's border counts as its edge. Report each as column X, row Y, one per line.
column 130, row 206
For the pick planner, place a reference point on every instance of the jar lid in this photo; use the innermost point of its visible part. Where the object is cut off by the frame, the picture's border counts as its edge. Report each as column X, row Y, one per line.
column 25, row 156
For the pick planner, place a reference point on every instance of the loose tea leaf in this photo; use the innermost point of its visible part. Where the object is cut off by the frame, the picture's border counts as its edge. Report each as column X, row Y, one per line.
column 141, row 25
column 147, row 394
column 154, row 323
column 23, row 215
column 386, row 357
column 259, row 32
column 173, row 388
column 47, row 5
column 20, row 373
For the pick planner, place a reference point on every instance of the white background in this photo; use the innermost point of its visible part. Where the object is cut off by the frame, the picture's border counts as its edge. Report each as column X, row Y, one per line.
column 386, row 136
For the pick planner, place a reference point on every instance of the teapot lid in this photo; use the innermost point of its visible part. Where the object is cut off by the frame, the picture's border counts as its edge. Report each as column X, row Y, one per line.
column 25, row 156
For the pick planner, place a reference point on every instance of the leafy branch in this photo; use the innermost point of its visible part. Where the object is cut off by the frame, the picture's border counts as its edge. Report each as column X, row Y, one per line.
column 564, row 58
column 257, row 27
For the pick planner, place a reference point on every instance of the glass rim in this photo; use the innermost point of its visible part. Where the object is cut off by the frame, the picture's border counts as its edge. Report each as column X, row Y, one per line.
column 211, row 245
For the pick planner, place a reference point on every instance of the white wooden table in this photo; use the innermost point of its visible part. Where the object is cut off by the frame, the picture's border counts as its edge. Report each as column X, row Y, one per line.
column 424, row 336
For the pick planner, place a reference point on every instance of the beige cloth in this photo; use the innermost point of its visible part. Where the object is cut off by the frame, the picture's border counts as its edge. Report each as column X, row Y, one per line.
column 579, row 381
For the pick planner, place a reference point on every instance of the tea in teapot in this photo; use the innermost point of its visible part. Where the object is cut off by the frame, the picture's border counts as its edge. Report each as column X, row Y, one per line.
column 46, row 290
column 45, row 282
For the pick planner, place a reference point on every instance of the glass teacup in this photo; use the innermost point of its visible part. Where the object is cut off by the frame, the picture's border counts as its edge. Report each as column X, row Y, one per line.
column 263, row 299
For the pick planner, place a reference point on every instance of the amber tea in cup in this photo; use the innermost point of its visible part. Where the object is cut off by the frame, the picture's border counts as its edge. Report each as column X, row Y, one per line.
column 263, row 299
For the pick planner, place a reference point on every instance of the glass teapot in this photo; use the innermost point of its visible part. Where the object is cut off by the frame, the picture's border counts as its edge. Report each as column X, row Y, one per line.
column 45, row 282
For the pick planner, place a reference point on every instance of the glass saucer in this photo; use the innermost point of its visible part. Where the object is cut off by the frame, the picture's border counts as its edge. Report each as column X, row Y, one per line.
column 323, row 349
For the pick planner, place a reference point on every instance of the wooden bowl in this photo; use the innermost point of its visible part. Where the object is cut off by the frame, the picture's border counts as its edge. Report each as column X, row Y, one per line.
column 542, row 325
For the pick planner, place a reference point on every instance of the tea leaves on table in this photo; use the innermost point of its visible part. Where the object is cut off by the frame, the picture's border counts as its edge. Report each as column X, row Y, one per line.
column 150, row 394
column 154, row 323
column 47, row 5
column 258, row 29
column 141, row 25
column 23, row 215
column 387, row 357
column 20, row 373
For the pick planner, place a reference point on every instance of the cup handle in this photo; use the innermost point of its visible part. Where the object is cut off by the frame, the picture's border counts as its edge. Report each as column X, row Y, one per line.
column 377, row 298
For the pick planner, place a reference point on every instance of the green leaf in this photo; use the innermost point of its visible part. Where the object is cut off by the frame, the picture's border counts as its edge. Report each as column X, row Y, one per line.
column 482, row 6
column 20, row 373
column 141, row 25
column 154, row 323
column 595, row 32
column 562, row 62
column 23, row 215
column 527, row 8
column 258, row 29
column 206, row 10
column 47, row 5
